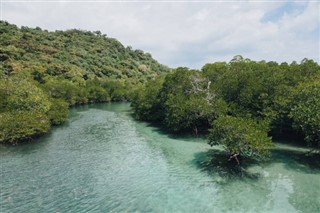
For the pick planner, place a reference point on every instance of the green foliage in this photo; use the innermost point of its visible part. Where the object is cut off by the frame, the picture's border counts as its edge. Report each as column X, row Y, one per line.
column 23, row 110
column 305, row 111
column 22, row 95
column 215, row 70
column 189, row 101
column 58, row 111
column 96, row 93
column 183, row 101
column 241, row 136
column 77, row 66
column 268, row 90
column 73, row 54
column 145, row 101
column 118, row 90
column 284, row 96
column 42, row 73
column 64, row 89
column 19, row 126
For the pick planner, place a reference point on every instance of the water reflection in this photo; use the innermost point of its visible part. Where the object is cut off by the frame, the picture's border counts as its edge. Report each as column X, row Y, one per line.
column 271, row 183
column 297, row 159
column 216, row 161
column 104, row 161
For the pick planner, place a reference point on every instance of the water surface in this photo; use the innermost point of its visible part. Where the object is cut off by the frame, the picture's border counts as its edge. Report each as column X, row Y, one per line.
column 101, row 160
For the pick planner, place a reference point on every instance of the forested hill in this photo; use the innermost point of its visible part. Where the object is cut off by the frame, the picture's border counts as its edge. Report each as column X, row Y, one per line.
column 42, row 73
column 72, row 54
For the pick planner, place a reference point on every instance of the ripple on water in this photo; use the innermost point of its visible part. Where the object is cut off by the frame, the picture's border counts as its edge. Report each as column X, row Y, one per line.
column 104, row 161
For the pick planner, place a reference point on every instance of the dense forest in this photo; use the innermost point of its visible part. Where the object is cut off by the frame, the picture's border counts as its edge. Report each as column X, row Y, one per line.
column 240, row 105
column 42, row 73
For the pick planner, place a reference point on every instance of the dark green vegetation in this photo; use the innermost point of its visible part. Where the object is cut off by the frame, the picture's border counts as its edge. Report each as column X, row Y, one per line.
column 241, row 136
column 239, row 104
column 43, row 73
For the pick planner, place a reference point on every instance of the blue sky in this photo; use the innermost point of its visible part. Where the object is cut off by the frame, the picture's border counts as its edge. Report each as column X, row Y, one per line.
column 182, row 33
column 289, row 7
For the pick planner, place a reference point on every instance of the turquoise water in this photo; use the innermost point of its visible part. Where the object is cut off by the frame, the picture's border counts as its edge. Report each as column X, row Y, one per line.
column 102, row 160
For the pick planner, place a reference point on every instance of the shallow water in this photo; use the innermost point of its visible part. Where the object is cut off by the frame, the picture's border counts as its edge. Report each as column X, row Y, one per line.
column 102, row 160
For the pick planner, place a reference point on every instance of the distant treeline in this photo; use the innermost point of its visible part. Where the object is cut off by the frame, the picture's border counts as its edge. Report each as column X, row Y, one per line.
column 239, row 104
column 43, row 73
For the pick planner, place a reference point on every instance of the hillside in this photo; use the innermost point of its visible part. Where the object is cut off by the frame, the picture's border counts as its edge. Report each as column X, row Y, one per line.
column 42, row 73
column 73, row 52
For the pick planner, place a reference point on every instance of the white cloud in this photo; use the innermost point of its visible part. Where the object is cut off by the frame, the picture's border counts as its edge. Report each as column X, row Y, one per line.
column 186, row 34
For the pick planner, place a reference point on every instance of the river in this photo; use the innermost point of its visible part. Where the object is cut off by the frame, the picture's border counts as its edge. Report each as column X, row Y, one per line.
column 102, row 160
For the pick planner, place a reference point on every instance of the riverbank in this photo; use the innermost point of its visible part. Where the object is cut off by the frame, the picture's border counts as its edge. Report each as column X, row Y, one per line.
column 102, row 160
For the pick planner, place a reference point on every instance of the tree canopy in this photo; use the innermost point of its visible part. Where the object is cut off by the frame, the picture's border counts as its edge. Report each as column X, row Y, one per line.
column 241, row 103
column 240, row 136
column 42, row 73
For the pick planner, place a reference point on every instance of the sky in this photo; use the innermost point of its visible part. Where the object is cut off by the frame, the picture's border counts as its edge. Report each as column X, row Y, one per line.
column 186, row 33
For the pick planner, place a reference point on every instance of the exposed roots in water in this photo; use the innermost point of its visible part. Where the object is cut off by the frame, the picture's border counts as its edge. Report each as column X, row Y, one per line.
column 234, row 168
